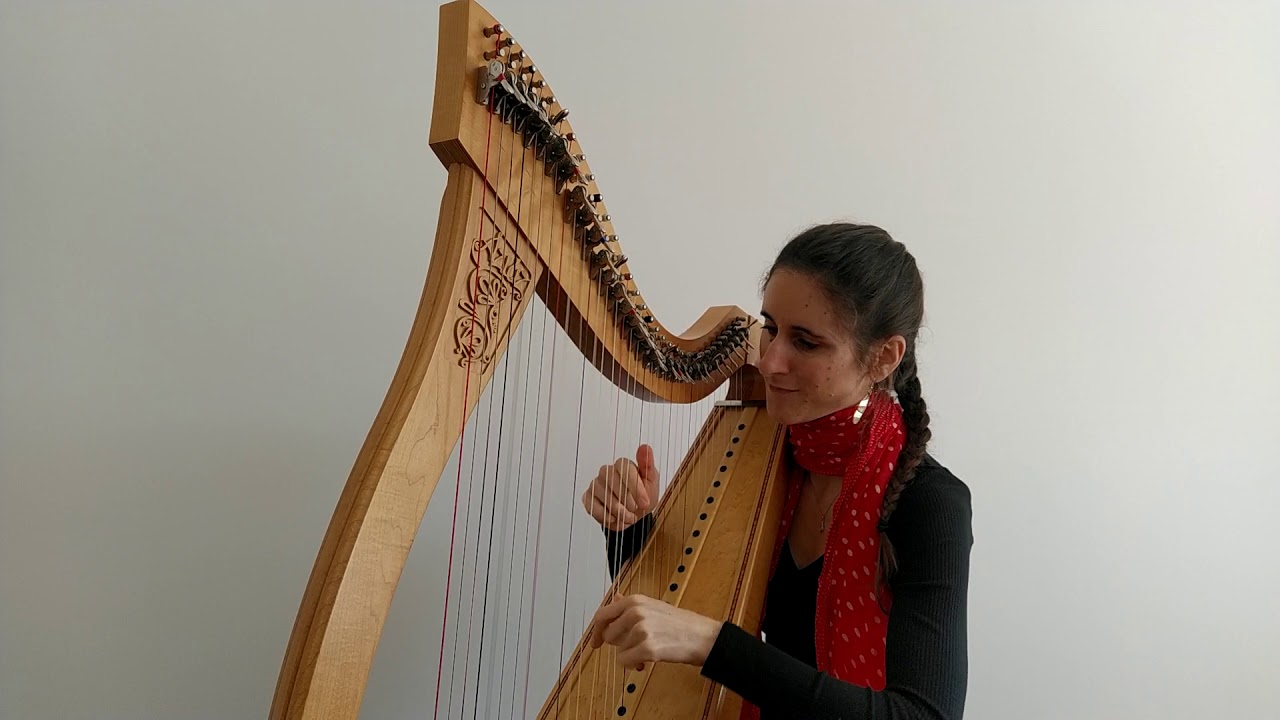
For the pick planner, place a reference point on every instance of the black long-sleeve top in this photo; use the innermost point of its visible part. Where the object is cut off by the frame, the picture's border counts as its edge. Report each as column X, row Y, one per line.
column 926, row 657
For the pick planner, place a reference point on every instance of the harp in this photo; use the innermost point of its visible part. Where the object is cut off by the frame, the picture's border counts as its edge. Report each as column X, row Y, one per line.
column 522, row 217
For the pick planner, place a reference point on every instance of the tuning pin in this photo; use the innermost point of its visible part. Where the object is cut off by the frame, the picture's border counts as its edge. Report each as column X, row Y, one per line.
column 570, row 137
column 495, row 54
column 494, row 30
column 606, row 217
column 507, row 42
column 580, row 157
column 560, row 116
column 595, row 197
column 529, row 69
column 519, row 56
column 619, row 259
column 538, row 84
column 613, row 238
column 589, row 177
column 625, row 276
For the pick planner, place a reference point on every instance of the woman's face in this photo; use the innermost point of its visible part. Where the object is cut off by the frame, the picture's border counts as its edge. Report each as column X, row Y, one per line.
column 807, row 357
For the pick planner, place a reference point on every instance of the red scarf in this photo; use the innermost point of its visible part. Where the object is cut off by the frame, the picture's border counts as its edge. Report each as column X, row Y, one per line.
column 849, row 633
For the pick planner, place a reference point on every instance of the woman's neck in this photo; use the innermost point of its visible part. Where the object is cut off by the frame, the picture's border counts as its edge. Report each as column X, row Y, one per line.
column 826, row 485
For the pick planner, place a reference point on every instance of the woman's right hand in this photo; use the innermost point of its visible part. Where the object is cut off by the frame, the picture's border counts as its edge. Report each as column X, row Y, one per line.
column 623, row 492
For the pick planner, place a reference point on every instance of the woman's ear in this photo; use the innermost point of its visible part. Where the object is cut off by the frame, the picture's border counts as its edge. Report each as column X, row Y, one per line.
column 889, row 357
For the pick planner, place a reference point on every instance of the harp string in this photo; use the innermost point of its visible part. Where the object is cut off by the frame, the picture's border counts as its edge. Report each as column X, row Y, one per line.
column 520, row 475
column 560, row 229
column 512, row 482
column 461, row 444
column 597, row 350
column 506, row 149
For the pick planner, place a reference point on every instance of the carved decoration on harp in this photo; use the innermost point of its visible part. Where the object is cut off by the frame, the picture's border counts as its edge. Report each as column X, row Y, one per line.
column 496, row 285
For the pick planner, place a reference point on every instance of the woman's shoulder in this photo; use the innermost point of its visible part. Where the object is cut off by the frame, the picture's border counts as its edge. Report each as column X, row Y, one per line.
column 935, row 500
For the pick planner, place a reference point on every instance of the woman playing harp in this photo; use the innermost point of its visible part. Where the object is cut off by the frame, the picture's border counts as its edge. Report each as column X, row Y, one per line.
column 866, row 602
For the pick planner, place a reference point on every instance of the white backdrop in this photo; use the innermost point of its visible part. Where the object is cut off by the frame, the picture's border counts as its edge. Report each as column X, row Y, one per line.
column 215, row 221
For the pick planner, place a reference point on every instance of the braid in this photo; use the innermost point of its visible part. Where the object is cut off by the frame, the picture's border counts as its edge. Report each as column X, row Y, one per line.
column 915, row 418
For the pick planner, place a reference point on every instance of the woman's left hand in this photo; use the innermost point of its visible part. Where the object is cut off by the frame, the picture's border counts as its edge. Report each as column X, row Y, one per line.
column 648, row 630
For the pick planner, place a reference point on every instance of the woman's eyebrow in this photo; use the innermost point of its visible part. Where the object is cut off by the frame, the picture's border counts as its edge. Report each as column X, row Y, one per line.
column 799, row 328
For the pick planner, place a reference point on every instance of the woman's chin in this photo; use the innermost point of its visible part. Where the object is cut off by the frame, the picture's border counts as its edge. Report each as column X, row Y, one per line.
column 783, row 409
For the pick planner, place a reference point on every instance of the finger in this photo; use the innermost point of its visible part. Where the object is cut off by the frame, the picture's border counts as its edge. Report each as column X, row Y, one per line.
column 614, row 516
column 614, row 510
column 594, row 509
column 604, row 616
column 637, row 495
column 623, row 479
column 648, row 469
column 635, row 649
column 620, row 631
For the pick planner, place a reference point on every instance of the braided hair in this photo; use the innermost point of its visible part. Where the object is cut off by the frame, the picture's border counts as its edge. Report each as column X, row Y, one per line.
column 874, row 281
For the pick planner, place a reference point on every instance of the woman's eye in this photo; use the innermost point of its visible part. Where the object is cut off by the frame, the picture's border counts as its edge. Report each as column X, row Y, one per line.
column 773, row 331
column 806, row 344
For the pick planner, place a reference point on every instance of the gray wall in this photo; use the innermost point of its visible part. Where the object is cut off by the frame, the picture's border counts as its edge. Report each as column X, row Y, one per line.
column 215, row 220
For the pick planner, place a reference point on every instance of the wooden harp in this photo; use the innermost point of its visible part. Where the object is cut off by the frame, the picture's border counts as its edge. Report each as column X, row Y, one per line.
column 521, row 217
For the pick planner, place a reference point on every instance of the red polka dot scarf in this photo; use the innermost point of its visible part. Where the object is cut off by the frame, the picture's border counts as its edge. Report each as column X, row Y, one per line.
column 850, row 627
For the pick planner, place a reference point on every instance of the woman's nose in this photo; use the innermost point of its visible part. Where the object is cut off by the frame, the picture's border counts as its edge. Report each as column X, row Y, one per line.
column 772, row 361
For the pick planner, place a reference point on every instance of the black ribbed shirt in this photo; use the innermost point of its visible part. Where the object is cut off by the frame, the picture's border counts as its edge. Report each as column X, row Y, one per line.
column 926, row 654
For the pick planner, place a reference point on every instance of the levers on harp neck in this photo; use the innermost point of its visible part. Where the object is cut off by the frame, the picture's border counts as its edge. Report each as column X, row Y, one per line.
column 514, row 93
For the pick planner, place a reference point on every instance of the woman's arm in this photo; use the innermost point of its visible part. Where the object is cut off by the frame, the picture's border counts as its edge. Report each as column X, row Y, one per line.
column 926, row 659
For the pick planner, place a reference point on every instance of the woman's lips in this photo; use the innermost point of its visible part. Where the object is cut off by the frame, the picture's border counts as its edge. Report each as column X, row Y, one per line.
column 777, row 389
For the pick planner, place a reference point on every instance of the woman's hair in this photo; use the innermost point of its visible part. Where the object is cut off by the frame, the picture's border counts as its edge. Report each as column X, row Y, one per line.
column 874, row 282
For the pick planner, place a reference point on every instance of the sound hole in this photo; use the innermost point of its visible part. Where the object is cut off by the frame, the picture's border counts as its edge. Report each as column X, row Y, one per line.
column 724, row 468
column 696, row 533
column 742, row 427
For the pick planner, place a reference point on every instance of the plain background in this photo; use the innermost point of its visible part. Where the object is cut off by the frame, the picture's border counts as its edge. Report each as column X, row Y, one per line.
column 215, row 220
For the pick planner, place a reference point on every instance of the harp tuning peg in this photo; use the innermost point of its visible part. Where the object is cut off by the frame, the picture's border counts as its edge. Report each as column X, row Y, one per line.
column 595, row 197
column 494, row 30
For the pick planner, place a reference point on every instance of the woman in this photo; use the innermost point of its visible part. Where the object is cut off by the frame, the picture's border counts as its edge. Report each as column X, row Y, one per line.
column 866, row 609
